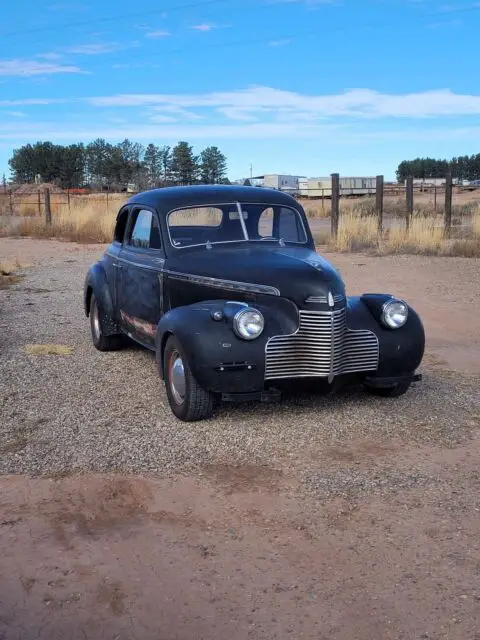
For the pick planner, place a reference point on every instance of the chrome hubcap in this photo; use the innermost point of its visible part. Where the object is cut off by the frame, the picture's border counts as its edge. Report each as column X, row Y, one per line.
column 96, row 323
column 177, row 377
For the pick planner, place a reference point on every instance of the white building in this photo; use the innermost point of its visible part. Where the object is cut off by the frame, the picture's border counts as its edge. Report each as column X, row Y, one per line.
column 349, row 186
column 281, row 182
column 431, row 182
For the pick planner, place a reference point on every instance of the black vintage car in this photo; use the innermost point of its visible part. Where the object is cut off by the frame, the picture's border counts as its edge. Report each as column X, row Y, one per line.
column 224, row 284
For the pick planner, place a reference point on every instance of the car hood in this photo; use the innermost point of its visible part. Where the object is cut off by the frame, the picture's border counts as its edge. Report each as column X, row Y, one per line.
column 297, row 273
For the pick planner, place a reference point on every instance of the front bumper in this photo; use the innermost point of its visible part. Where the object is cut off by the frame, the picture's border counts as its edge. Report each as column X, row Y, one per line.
column 386, row 382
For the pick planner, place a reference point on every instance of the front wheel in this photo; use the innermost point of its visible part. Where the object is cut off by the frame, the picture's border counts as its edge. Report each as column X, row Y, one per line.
column 395, row 391
column 188, row 400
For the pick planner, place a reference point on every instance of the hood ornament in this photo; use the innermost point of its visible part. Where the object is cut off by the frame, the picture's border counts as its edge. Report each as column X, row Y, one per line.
column 331, row 301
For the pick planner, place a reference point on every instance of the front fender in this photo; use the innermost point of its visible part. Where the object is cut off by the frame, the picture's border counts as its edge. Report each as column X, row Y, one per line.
column 96, row 283
column 219, row 360
column 400, row 350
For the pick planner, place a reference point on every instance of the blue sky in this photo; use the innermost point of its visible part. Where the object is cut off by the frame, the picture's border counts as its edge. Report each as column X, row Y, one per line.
column 308, row 87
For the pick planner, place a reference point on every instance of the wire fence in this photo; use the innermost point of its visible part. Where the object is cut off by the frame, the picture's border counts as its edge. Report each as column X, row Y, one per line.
column 384, row 200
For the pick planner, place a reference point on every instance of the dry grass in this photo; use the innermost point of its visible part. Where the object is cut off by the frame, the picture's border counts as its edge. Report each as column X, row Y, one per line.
column 356, row 233
column 423, row 236
column 47, row 350
column 9, row 273
column 84, row 221
column 91, row 219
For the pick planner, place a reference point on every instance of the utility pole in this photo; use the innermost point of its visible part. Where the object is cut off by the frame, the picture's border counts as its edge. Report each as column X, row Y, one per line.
column 251, row 171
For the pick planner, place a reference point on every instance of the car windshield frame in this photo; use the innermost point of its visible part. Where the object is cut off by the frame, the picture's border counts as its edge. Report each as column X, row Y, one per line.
column 240, row 210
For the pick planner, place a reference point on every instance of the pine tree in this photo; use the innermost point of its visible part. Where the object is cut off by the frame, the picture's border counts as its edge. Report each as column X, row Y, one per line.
column 213, row 167
column 152, row 163
column 184, row 165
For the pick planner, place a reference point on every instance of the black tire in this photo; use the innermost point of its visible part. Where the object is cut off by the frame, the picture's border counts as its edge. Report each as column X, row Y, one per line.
column 101, row 341
column 391, row 392
column 195, row 403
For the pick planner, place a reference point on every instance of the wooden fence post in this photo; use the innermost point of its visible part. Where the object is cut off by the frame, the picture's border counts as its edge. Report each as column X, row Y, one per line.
column 335, row 205
column 323, row 199
column 68, row 199
column 448, row 203
column 435, row 198
column 11, row 202
column 48, row 210
column 39, row 203
column 379, row 204
column 409, row 201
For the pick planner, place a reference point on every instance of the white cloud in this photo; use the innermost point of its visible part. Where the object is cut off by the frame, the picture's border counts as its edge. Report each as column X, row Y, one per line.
column 29, row 102
column 50, row 55
column 68, row 6
column 279, row 43
column 16, row 114
column 364, row 103
column 340, row 134
column 94, row 49
column 307, row 2
column 203, row 27
column 20, row 67
column 158, row 34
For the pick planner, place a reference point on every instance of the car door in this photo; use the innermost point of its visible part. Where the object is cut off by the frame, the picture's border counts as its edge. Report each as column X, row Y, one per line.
column 139, row 278
column 113, row 252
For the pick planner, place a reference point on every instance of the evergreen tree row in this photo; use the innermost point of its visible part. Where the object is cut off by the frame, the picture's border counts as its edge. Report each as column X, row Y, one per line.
column 100, row 163
column 463, row 168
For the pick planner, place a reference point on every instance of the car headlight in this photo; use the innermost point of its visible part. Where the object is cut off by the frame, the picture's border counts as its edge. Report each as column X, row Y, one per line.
column 394, row 313
column 248, row 324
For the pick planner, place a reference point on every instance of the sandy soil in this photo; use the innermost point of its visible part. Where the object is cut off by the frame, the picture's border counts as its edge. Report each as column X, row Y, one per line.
column 240, row 551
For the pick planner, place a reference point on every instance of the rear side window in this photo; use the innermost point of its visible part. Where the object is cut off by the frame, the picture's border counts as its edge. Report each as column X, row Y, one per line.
column 120, row 226
column 145, row 232
column 280, row 222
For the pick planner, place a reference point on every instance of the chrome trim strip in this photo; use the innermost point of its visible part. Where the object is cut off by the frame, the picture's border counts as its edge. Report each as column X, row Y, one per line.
column 324, row 299
column 219, row 283
column 160, row 262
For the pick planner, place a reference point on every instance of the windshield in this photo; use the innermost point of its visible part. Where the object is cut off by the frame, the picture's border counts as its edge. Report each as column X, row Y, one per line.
column 235, row 222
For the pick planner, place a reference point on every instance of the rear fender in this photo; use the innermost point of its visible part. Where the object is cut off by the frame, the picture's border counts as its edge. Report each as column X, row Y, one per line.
column 96, row 283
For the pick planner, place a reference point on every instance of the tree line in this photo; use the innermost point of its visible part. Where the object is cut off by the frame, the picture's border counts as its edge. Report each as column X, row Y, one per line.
column 463, row 168
column 101, row 164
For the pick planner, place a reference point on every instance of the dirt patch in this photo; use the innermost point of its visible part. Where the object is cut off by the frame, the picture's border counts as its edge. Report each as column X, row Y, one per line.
column 96, row 509
column 240, row 478
column 261, row 566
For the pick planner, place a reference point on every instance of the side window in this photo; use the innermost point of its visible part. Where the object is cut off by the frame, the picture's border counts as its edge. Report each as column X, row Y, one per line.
column 265, row 223
column 145, row 232
column 290, row 226
column 281, row 222
column 120, row 226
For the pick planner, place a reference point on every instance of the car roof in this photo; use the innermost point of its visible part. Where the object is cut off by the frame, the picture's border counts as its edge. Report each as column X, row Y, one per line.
column 168, row 198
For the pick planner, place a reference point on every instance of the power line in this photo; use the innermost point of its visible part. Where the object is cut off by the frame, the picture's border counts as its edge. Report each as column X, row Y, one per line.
column 116, row 17
column 263, row 40
column 249, row 41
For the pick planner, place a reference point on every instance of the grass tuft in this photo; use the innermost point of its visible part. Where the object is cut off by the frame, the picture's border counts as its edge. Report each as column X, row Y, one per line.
column 48, row 350
column 355, row 233
column 423, row 236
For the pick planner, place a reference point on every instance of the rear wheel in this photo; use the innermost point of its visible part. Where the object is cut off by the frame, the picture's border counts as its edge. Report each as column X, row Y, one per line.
column 390, row 392
column 99, row 339
column 188, row 400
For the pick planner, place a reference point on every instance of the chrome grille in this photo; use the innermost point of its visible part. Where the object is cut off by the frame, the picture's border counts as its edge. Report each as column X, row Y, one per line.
column 337, row 298
column 323, row 346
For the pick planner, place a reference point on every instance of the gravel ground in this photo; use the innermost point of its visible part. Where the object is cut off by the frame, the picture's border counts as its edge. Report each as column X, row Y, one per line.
column 90, row 411
column 343, row 518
